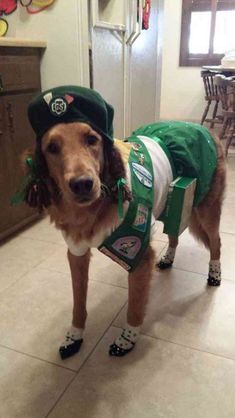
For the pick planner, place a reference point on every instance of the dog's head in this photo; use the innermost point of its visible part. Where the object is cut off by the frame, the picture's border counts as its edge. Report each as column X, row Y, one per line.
column 75, row 156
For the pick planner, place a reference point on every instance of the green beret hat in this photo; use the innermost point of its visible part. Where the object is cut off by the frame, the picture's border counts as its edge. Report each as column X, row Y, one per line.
column 67, row 104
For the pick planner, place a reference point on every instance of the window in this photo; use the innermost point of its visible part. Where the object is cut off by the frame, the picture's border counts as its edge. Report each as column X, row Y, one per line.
column 208, row 31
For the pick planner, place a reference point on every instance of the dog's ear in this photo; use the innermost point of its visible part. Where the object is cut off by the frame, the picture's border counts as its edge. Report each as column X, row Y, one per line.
column 38, row 189
column 37, row 192
column 113, row 164
column 114, row 170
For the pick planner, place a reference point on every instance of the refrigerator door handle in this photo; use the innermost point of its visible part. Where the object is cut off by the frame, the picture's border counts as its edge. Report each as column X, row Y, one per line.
column 137, row 17
column 133, row 20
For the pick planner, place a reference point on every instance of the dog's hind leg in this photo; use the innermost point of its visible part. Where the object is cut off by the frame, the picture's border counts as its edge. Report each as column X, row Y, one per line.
column 204, row 225
column 138, row 290
column 168, row 258
column 205, row 219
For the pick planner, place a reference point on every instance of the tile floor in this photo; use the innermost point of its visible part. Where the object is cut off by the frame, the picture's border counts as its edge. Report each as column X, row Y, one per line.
column 183, row 366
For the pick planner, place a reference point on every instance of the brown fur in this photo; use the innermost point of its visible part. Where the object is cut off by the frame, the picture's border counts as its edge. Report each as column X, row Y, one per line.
column 205, row 219
column 84, row 220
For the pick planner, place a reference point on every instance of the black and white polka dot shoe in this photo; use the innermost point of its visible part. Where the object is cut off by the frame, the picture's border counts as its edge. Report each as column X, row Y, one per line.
column 124, row 343
column 70, row 347
column 211, row 281
column 116, row 351
column 162, row 265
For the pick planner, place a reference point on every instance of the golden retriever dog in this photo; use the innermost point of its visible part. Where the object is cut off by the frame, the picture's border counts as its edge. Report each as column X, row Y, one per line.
column 79, row 164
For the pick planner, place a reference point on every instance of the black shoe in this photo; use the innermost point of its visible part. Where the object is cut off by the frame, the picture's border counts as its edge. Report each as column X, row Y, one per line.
column 213, row 282
column 163, row 266
column 71, row 349
column 116, row 351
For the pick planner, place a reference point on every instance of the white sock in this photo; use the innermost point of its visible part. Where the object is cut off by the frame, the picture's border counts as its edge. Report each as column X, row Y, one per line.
column 169, row 256
column 128, row 337
column 73, row 334
column 215, row 269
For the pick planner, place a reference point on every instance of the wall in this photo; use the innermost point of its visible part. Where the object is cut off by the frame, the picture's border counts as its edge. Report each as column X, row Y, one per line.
column 182, row 95
column 67, row 40
column 182, row 91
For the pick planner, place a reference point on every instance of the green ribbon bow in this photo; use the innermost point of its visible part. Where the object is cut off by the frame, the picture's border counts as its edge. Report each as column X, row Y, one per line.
column 20, row 195
column 120, row 184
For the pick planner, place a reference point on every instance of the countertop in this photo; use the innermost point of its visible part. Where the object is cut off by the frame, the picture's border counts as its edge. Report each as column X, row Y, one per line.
column 17, row 42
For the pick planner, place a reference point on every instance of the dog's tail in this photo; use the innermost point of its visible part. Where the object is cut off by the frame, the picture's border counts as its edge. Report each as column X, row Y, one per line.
column 197, row 230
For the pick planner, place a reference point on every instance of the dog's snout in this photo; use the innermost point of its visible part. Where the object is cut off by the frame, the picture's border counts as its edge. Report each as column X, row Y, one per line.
column 81, row 185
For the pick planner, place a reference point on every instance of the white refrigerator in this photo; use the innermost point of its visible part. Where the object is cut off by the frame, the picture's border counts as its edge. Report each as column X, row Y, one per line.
column 125, row 59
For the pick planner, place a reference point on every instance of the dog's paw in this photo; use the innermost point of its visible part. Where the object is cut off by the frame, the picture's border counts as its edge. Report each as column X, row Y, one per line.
column 211, row 281
column 162, row 265
column 68, row 350
column 116, row 351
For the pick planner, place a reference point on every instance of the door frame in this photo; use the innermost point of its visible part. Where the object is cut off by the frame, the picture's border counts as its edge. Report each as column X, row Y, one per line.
column 127, row 69
column 83, row 40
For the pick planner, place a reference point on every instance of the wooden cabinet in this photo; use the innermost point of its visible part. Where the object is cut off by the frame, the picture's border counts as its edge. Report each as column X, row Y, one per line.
column 19, row 83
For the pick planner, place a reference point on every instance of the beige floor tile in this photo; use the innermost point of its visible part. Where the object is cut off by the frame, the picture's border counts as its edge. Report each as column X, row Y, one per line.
column 28, row 249
column 191, row 255
column 230, row 192
column 184, row 310
column 228, row 256
column 29, row 387
column 12, row 269
column 57, row 261
column 20, row 254
column 158, row 379
column 102, row 268
column 36, row 312
column 44, row 231
column 159, row 235
column 228, row 213
column 231, row 169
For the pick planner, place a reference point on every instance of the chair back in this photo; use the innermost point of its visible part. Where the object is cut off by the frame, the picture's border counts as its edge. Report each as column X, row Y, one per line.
column 211, row 92
column 226, row 91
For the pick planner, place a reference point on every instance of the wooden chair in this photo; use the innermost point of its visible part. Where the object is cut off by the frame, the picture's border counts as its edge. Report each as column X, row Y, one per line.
column 211, row 95
column 226, row 91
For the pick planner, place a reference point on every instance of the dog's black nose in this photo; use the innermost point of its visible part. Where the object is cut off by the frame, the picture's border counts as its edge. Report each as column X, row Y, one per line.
column 81, row 185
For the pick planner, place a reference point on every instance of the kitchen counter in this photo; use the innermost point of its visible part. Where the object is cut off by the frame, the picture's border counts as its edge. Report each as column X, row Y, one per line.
column 24, row 43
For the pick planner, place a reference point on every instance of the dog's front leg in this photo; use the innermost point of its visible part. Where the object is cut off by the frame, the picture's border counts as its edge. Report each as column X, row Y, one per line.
column 79, row 271
column 138, row 290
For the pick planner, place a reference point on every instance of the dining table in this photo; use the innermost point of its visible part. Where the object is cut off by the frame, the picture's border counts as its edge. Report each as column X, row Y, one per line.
column 220, row 69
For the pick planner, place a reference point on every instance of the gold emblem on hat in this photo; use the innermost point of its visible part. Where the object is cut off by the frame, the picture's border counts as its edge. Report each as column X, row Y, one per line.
column 58, row 106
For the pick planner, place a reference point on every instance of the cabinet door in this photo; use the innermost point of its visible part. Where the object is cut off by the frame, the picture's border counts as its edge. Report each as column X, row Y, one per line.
column 5, row 171
column 18, row 137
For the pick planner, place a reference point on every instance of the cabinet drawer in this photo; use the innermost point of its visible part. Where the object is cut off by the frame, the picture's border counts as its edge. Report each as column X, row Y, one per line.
column 20, row 72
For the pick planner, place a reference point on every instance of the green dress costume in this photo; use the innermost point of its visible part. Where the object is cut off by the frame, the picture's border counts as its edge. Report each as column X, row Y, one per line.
column 192, row 149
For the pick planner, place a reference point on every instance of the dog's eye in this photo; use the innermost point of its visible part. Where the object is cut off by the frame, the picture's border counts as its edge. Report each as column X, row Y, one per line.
column 91, row 139
column 53, row 148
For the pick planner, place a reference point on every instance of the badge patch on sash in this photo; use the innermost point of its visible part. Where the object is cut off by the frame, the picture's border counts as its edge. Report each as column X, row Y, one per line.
column 141, row 159
column 128, row 243
column 127, row 246
column 140, row 222
column 143, row 175
column 136, row 146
